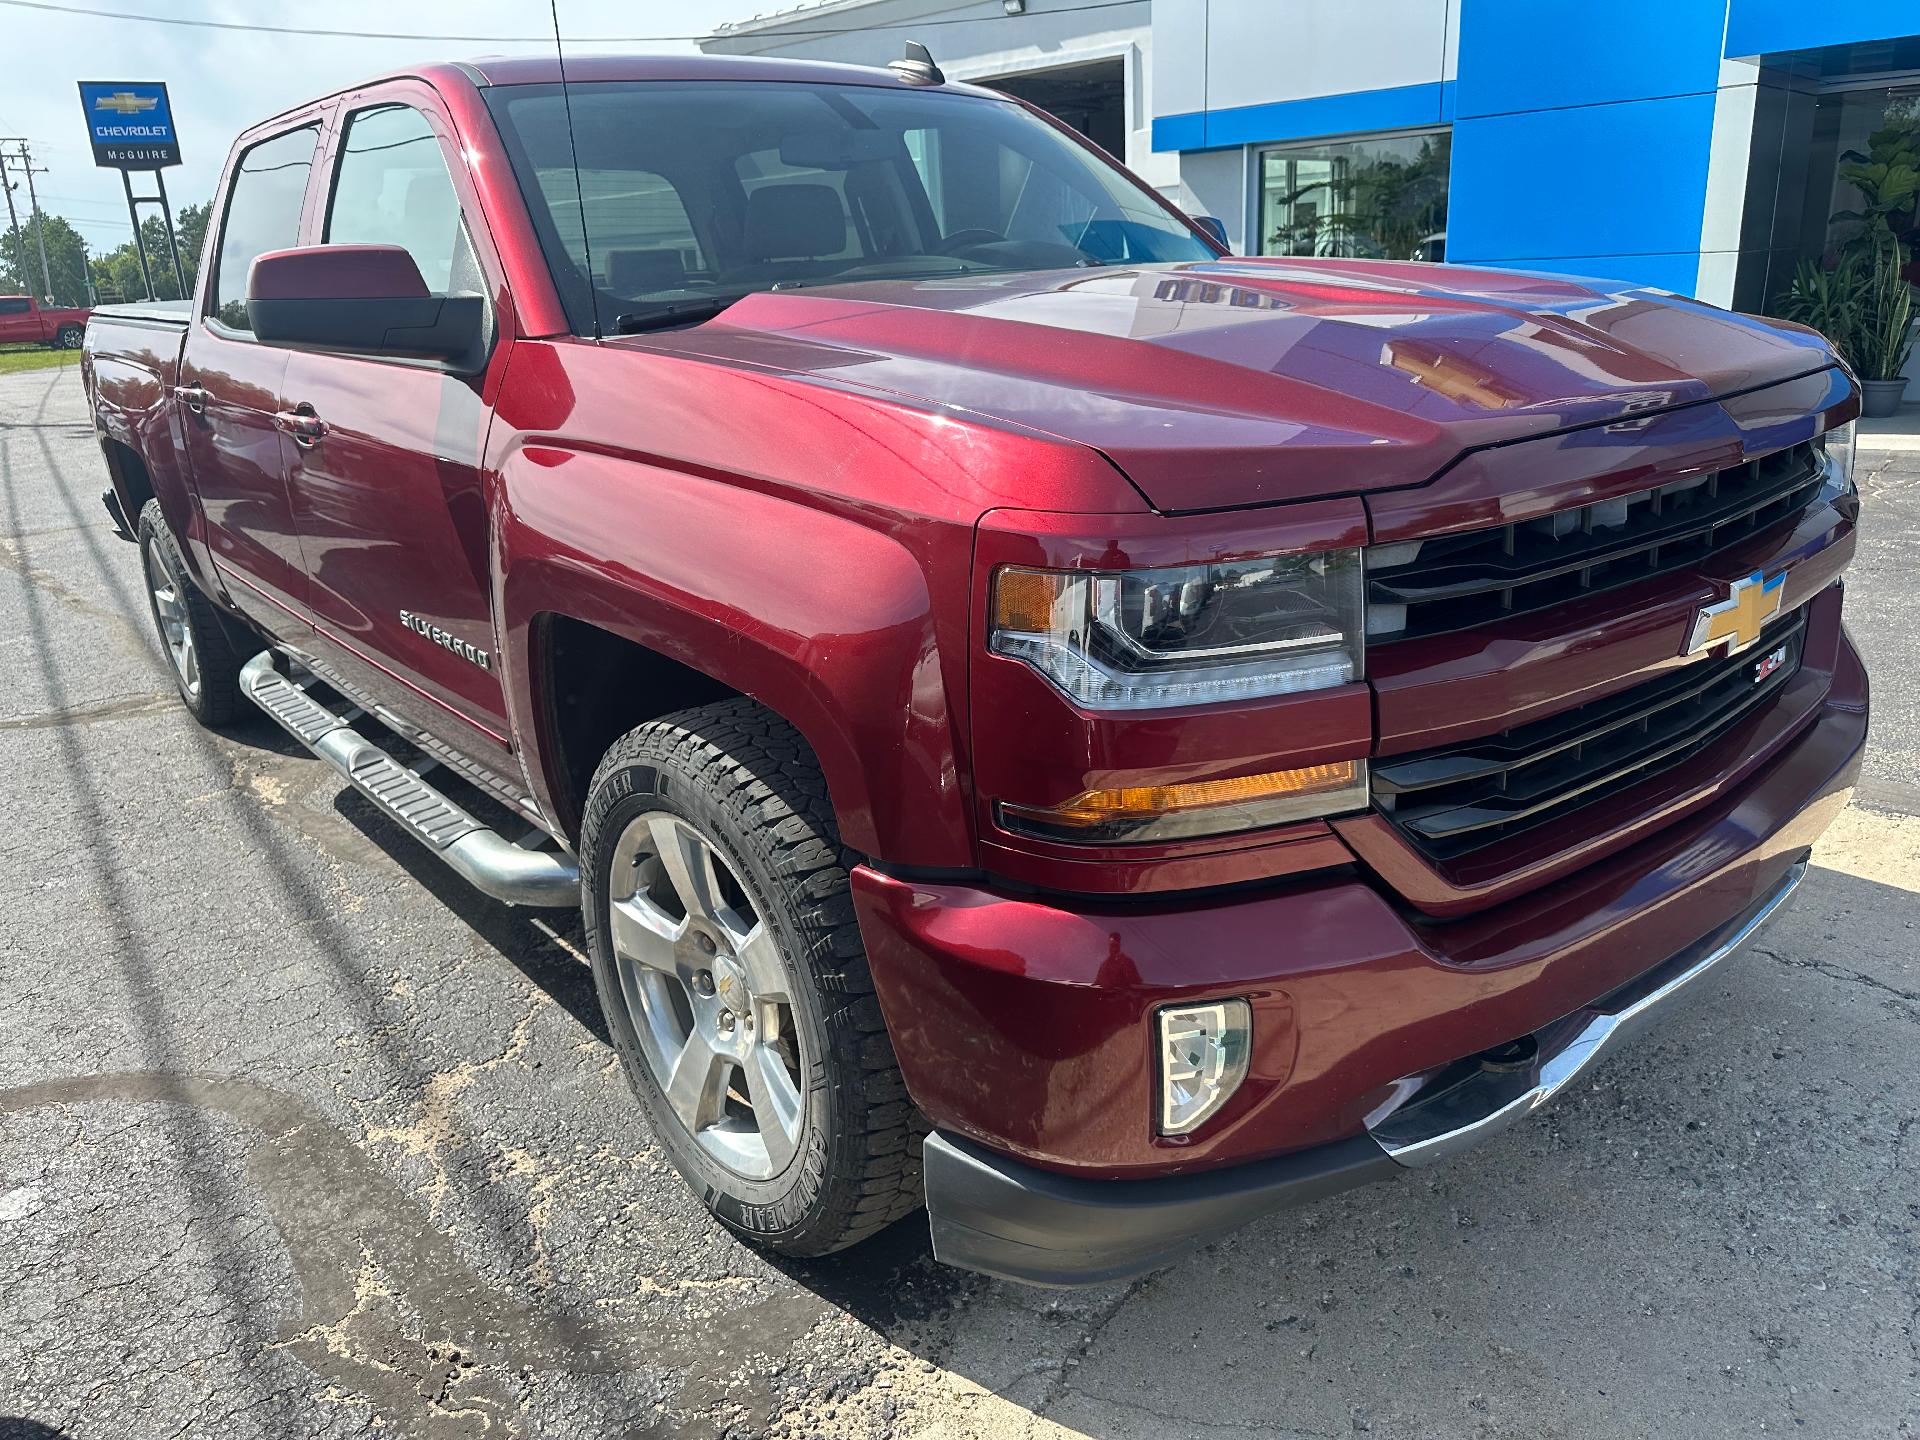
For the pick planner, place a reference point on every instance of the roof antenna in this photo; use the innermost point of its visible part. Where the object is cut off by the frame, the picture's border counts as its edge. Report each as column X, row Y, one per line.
column 917, row 68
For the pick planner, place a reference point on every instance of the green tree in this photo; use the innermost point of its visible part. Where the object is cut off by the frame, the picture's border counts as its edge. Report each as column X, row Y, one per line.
column 117, row 272
column 66, row 260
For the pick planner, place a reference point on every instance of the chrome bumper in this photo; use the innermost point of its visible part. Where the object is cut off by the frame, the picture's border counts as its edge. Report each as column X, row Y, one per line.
column 1438, row 1115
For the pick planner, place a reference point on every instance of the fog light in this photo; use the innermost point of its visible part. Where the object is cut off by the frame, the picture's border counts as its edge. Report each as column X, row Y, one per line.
column 1203, row 1059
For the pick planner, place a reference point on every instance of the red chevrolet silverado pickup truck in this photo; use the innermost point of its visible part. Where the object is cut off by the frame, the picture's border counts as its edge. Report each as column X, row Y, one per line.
column 25, row 321
column 1043, row 719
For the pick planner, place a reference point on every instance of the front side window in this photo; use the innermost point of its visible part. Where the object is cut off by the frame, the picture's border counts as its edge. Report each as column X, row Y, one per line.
column 691, row 194
column 13, row 307
column 1375, row 199
column 263, row 213
column 392, row 188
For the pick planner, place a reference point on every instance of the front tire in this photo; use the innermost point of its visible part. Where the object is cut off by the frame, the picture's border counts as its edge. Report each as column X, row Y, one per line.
column 728, row 961
column 70, row 337
column 206, row 667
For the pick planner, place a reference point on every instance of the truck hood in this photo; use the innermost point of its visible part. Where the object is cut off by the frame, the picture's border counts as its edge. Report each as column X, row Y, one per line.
column 1242, row 382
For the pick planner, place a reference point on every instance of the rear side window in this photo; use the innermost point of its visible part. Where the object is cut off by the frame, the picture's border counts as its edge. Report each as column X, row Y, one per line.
column 263, row 213
column 13, row 307
column 392, row 188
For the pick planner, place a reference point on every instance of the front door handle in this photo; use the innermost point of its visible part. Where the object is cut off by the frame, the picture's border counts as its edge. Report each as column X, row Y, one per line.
column 194, row 397
column 307, row 428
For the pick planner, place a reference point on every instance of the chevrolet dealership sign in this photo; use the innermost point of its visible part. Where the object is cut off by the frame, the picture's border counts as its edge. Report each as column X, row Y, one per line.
column 130, row 124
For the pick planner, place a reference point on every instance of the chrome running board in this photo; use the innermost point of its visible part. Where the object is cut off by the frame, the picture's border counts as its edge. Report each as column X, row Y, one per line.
column 1435, row 1116
column 483, row 857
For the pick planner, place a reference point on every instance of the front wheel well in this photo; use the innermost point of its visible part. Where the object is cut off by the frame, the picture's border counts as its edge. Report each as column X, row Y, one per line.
column 598, row 687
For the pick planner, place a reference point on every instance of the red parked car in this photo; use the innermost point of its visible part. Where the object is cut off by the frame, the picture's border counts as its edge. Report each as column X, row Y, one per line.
column 1041, row 716
column 25, row 321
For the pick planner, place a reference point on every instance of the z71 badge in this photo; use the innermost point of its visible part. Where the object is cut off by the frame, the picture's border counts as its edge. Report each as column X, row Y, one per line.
column 1768, row 663
column 446, row 641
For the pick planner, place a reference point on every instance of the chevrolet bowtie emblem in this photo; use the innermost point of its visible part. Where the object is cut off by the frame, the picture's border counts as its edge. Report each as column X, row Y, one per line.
column 1738, row 620
column 125, row 102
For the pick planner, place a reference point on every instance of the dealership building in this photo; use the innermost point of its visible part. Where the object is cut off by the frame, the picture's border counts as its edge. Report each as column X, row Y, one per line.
column 1693, row 145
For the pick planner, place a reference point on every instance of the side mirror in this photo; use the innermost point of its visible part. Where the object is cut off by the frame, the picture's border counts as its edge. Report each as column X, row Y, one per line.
column 366, row 300
column 1213, row 226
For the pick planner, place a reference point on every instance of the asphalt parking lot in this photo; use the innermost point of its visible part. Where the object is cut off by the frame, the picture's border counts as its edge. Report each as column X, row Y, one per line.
column 299, row 1137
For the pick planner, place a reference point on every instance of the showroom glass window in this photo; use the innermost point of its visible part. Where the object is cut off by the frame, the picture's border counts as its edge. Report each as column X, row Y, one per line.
column 1384, row 197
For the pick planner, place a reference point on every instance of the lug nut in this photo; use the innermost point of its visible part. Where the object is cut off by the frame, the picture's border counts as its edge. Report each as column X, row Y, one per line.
column 703, row 982
column 705, row 942
column 726, row 1022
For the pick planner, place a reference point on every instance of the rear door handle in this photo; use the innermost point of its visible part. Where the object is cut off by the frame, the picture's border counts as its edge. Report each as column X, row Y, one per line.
column 194, row 397
column 307, row 428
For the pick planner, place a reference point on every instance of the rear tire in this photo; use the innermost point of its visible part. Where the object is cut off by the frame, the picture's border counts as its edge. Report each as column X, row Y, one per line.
column 795, row 1128
column 198, row 648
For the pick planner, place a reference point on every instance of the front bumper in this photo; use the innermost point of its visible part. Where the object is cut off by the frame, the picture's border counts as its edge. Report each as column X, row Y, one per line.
column 1024, row 1025
column 1000, row 1216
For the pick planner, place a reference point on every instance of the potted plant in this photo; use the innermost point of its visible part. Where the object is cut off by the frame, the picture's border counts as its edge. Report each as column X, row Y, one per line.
column 1827, row 301
column 1884, row 338
column 1864, row 303
column 1888, row 179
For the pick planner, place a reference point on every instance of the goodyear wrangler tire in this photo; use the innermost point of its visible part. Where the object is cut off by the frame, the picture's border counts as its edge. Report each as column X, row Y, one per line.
column 728, row 961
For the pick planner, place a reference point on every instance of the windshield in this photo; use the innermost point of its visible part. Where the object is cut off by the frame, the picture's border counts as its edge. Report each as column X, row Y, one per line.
column 690, row 194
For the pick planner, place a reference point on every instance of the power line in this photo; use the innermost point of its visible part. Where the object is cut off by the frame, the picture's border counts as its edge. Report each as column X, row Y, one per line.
column 783, row 31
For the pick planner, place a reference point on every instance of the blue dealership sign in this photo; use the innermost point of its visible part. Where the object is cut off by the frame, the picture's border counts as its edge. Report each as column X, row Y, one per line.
column 130, row 124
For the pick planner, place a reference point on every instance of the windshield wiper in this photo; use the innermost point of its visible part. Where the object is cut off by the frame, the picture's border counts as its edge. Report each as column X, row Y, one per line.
column 682, row 313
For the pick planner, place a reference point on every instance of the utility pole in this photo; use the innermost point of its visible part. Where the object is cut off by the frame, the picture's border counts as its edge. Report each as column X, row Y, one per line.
column 39, row 220
column 13, row 220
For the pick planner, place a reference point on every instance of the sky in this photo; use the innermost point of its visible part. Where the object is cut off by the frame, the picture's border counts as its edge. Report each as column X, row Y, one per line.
column 221, row 81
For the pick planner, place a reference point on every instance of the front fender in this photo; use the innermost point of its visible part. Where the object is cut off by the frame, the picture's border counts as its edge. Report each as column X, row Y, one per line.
column 825, row 620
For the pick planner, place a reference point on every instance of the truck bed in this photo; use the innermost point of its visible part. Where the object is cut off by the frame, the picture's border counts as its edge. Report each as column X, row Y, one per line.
column 166, row 312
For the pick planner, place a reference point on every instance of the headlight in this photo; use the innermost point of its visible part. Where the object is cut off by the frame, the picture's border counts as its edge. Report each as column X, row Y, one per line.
column 1838, row 443
column 1186, row 634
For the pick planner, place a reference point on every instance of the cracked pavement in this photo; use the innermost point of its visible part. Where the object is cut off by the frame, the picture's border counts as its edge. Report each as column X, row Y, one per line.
column 300, row 1137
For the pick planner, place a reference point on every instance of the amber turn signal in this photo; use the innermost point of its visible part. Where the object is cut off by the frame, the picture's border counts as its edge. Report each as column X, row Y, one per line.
column 1201, row 807
column 1023, row 599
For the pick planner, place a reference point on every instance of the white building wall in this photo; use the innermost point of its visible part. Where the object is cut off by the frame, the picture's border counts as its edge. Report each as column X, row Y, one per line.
column 1216, row 183
column 978, row 40
column 1259, row 51
column 1723, row 212
column 1179, row 56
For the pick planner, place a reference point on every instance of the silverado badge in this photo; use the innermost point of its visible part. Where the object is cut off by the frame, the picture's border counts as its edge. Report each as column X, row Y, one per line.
column 1739, row 619
column 446, row 640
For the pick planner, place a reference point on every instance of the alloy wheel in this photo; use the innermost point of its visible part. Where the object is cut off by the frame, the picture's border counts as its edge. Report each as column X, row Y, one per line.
column 708, row 993
column 170, row 609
